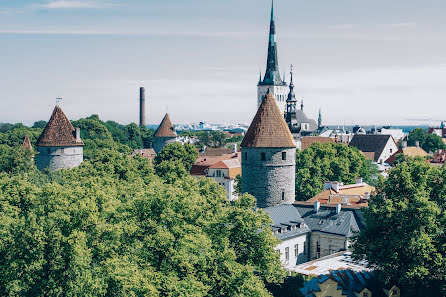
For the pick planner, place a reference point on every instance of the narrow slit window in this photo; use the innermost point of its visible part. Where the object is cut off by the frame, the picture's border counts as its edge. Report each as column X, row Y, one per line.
column 283, row 155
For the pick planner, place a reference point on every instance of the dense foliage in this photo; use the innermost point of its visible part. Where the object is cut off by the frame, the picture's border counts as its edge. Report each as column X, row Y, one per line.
column 112, row 227
column 404, row 238
column 214, row 138
column 330, row 162
column 428, row 142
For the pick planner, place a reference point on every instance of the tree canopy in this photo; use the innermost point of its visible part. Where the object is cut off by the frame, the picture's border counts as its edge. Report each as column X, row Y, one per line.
column 428, row 142
column 329, row 162
column 112, row 227
column 404, row 238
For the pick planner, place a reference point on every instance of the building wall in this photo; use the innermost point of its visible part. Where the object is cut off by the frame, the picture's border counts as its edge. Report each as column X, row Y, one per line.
column 55, row 158
column 329, row 288
column 280, row 94
column 329, row 244
column 160, row 142
column 224, row 181
column 267, row 180
column 388, row 151
column 302, row 251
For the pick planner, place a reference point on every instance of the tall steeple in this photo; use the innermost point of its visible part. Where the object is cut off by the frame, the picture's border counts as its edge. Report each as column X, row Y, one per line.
column 319, row 119
column 272, row 75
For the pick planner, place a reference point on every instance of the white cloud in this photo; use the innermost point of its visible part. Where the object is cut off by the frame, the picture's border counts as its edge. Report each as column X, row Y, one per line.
column 68, row 4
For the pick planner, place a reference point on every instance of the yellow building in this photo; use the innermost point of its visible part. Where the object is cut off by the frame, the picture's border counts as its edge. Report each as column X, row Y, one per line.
column 348, row 283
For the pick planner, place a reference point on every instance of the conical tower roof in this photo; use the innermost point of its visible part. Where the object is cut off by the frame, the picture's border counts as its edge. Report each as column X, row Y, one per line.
column 268, row 128
column 58, row 131
column 165, row 129
column 27, row 143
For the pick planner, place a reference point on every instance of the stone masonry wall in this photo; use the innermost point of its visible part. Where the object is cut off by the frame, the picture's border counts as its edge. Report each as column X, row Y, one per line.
column 55, row 158
column 267, row 180
column 160, row 142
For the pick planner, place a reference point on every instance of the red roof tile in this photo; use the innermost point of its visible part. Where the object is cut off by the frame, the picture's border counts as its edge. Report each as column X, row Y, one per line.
column 58, row 131
column 165, row 129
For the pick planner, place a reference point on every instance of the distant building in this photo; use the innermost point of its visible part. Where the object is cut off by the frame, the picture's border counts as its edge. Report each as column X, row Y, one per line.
column 397, row 134
column 348, row 283
column 307, row 141
column 224, row 173
column 357, row 194
column 269, row 157
column 297, row 121
column 272, row 82
column 60, row 145
column 164, row 134
column 440, row 131
column 339, row 135
column 145, row 153
column 375, row 147
column 439, row 158
column 290, row 228
column 27, row 145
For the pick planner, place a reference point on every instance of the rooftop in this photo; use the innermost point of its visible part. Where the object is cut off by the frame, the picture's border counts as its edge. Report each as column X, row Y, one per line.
column 268, row 128
column 166, row 129
column 371, row 143
column 58, row 131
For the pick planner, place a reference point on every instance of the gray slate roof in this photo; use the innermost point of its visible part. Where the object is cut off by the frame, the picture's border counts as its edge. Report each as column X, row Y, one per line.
column 371, row 143
column 326, row 220
column 285, row 215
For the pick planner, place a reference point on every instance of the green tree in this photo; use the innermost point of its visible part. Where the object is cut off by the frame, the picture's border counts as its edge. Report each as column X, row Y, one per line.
column 418, row 134
column 39, row 124
column 15, row 159
column 329, row 162
column 111, row 227
column 405, row 225
column 238, row 185
column 185, row 154
column 432, row 143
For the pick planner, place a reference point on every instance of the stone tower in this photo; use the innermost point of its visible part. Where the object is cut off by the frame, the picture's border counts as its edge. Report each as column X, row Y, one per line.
column 272, row 82
column 269, row 157
column 59, row 145
column 142, row 106
column 164, row 134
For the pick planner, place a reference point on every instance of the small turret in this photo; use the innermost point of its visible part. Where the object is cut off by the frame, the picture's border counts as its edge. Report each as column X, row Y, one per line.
column 164, row 134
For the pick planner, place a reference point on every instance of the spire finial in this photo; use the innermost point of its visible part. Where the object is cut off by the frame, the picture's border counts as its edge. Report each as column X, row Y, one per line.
column 272, row 10
column 260, row 76
column 58, row 99
column 302, row 105
column 319, row 119
column 291, row 73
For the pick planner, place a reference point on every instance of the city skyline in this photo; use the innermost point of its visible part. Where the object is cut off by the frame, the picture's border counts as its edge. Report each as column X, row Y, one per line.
column 361, row 63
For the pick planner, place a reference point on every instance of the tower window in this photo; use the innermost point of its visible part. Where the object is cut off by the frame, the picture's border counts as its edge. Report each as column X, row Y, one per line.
column 287, row 253
column 283, row 155
column 283, row 195
column 263, row 156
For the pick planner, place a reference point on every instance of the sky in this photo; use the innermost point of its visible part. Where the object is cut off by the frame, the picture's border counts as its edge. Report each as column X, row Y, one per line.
column 361, row 61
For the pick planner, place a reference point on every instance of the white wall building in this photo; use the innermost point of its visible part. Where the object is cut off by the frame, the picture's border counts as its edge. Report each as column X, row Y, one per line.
column 224, row 173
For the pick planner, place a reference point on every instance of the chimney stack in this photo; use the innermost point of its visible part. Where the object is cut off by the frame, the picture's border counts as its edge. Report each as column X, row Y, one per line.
column 417, row 143
column 234, row 148
column 78, row 134
column 142, row 106
column 359, row 180
column 317, row 205
column 338, row 208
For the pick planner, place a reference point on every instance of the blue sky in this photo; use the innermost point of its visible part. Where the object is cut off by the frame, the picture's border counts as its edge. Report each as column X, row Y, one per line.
column 366, row 62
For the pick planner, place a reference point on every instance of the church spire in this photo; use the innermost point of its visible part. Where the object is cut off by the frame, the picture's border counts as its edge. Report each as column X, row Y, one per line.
column 319, row 119
column 272, row 75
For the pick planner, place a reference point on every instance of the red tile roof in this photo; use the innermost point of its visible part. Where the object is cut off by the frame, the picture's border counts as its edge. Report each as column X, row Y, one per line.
column 268, row 128
column 27, row 143
column 309, row 140
column 165, row 129
column 58, row 131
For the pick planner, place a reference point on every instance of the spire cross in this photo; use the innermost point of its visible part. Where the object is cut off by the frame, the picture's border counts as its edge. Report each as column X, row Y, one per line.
column 58, row 99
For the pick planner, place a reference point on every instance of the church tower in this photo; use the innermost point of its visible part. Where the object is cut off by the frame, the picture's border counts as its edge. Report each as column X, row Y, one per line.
column 164, row 134
column 272, row 82
column 269, row 157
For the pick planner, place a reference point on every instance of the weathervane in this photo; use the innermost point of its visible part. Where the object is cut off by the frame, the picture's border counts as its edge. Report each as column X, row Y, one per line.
column 58, row 99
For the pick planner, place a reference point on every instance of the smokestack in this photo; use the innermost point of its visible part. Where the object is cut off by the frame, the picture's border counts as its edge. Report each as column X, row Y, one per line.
column 142, row 106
